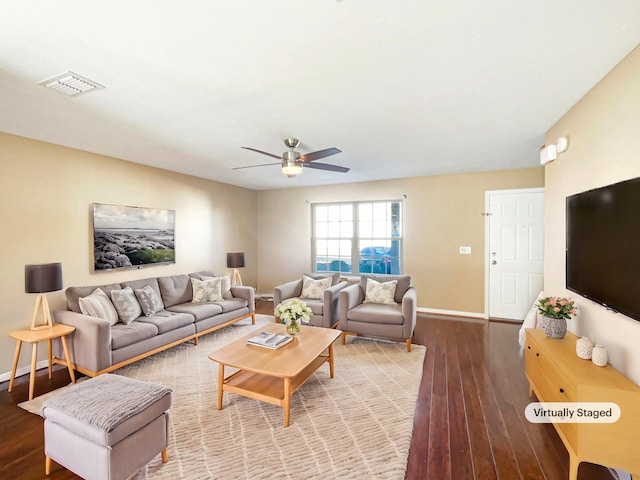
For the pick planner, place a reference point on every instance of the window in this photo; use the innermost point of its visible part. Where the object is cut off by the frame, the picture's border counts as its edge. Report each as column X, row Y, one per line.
column 367, row 235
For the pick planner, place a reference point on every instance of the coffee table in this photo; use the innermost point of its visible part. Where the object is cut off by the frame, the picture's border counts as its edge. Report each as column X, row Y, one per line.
column 272, row 376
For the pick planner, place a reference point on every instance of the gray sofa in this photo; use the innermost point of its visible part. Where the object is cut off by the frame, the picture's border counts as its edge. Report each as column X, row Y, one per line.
column 98, row 347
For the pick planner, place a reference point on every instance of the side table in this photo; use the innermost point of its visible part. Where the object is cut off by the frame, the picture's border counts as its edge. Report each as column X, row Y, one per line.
column 57, row 330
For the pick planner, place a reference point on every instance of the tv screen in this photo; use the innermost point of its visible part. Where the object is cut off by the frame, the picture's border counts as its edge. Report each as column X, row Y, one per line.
column 132, row 237
column 603, row 246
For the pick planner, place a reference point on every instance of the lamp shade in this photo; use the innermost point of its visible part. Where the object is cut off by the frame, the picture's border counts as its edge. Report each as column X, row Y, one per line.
column 235, row 260
column 43, row 278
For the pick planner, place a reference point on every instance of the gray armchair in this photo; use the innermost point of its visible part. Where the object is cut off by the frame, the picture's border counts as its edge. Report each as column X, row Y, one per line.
column 325, row 310
column 379, row 320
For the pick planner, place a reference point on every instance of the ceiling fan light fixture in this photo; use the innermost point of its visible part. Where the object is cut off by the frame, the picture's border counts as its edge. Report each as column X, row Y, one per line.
column 292, row 168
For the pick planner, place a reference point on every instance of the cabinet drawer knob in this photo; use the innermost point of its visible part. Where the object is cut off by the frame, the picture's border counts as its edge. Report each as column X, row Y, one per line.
column 537, row 354
column 528, row 347
column 562, row 390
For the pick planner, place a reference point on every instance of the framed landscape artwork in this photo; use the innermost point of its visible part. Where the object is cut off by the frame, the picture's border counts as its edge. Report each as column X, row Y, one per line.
column 132, row 237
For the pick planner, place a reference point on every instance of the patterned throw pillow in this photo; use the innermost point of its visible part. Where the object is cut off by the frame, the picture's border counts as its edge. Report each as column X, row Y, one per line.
column 97, row 304
column 209, row 290
column 380, row 292
column 225, row 285
column 126, row 304
column 314, row 288
column 149, row 300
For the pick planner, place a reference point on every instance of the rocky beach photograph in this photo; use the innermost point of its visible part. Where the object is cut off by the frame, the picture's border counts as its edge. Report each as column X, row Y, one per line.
column 128, row 237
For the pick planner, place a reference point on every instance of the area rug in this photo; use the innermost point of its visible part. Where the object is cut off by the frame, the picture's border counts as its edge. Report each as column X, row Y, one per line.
column 357, row 425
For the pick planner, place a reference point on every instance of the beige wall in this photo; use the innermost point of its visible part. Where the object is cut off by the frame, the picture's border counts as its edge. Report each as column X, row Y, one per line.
column 46, row 192
column 45, row 196
column 604, row 147
column 440, row 214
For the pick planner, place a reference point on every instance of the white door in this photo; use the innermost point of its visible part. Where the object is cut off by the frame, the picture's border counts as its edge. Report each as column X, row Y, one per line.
column 515, row 253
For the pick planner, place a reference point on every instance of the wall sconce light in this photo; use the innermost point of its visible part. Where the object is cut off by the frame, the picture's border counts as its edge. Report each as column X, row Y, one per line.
column 235, row 261
column 42, row 279
column 550, row 152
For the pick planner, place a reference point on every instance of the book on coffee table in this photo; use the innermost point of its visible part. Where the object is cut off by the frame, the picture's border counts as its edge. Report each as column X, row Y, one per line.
column 270, row 340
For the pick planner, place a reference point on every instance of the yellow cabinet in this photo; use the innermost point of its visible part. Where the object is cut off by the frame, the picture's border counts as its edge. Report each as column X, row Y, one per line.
column 557, row 374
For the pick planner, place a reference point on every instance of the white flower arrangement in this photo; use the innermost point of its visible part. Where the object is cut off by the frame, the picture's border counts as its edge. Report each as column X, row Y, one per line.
column 293, row 310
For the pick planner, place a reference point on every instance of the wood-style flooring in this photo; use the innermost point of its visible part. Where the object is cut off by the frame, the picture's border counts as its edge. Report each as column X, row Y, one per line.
column 469, row 420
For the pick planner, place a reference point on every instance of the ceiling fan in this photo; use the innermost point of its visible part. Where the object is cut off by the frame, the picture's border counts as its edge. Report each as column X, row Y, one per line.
column 292, row 161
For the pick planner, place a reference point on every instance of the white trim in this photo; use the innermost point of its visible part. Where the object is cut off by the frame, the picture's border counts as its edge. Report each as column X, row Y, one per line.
column 455, row 313
column 6, row 376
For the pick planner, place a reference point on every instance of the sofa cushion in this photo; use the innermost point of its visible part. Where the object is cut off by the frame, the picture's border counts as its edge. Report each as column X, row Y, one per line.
column 376, row 313
column 126, row 305
column 380, row 292
column 139, row 284
column 97, row 304
column 166, row 321
column 404, row 282
column 124, row 335
column 199, row 311
column 233, row 304
column 316, row 305
column 312, row 288
column 149, row 299
column 209, row 290
column 73, row 294
column 175, row 289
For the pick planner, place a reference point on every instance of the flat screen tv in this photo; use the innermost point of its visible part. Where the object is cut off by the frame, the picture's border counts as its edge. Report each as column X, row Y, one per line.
column 603, row 246
column 132, row 237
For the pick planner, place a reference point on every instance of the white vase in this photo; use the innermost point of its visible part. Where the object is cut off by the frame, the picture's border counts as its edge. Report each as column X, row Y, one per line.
column 584, row 347
column 599, row 355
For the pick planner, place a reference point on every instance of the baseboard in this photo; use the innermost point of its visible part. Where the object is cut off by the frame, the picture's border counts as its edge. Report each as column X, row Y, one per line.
column 452, row 313
column 5, row 377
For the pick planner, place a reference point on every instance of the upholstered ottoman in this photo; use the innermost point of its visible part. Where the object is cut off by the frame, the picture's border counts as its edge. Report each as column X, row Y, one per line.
column 107, row 427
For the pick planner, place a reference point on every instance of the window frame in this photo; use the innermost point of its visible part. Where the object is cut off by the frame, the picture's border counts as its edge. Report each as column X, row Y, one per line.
column 392, row 242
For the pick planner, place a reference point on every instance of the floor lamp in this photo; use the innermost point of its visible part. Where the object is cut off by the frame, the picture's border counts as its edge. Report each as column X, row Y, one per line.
column 235, row 261
column 42, row 279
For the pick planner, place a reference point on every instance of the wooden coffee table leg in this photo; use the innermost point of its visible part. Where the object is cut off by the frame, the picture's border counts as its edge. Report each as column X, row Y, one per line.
column 331, row 360
column 220, row 384
column 287, row 401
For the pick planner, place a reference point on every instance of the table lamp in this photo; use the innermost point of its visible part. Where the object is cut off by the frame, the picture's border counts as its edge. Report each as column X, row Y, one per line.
column 42, row 279
column 235, row 261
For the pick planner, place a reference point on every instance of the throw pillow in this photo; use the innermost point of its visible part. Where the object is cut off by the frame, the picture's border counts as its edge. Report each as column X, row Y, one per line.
column 378, row 292
column 97, row 304
column 314, row 288
column 149, row 300
column 225, row 285
column 126, row 305
column 207, row 290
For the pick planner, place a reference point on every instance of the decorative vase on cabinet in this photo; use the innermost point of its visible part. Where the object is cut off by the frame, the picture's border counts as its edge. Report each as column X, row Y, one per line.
column 554, row 327
column 599, row 355
column 584, row 347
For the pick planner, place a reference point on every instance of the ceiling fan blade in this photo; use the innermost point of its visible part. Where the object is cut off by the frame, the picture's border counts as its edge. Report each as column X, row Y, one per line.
column 327, row 152
column 261, row 165
column 326, row 166
column 279, row 157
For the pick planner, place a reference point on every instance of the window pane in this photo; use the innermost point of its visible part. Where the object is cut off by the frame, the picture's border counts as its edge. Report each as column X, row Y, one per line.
column 367, row 234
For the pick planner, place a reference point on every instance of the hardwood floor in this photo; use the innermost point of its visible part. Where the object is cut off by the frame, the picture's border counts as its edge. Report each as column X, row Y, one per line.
column 469, row 419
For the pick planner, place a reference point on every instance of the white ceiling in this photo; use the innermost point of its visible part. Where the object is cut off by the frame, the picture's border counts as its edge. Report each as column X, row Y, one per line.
column 403, row 88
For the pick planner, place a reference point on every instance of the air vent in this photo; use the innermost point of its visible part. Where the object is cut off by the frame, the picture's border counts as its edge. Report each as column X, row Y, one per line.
column 71, row 84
